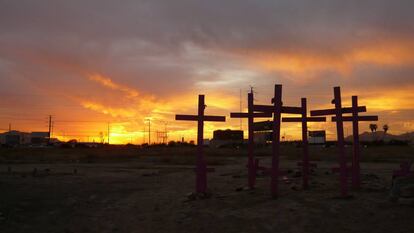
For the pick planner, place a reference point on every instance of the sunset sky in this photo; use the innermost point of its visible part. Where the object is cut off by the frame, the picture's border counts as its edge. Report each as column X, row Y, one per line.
column 90, row 62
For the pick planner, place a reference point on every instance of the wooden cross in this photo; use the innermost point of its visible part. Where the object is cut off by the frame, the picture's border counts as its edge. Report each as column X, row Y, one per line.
column 276, row 109
column 356, row 170
column 304, row 119
column 339, row 119
column 201, row 166
column 250, row 115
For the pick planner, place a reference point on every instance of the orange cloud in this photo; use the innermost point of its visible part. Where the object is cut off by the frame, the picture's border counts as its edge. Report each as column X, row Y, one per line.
column 107, row 82
column 307, row 63
column 114, row 112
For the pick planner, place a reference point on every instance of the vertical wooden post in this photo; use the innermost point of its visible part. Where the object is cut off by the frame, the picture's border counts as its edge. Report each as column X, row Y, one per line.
column 276, row 139
column 341, row 146
column 305, row 167
column 201, row 167
column 356, row 173
column 251, row 161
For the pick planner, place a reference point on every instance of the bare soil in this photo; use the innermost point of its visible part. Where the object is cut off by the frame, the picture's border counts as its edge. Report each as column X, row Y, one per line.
column 149, row 193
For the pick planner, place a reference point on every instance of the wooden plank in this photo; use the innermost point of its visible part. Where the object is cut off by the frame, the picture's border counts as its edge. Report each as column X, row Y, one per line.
column 292, row 119
column 316, row 119
column 239, row 115
column 360, row 118
column 214, row 118
column 270, row 109
column 324, row 112
column 246, row 115
column 262, row 114
column 264, row 108
column 186, row 118
column 291, row 110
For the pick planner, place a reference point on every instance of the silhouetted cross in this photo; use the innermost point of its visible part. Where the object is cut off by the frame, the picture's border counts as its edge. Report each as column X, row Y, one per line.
column 304, row 119
column 276, row 109
column 201, row 166
column 250, row 115
column 355, row 118
column 339, row 119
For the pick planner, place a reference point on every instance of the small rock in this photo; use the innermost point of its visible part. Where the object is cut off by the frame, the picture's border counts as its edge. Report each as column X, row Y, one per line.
column 297, row 174
column 242, row 189
column 402, row 187
column 372, row 176
column 198, row 196
column 191, row 196
column 286, row 180
column 239, row 189
column 294, row 187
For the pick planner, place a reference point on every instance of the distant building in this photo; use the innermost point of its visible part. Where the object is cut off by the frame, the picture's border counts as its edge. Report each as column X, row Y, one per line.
column 263, row 131
column 263, row 137
column 317, row 137
column 206, row 142
column 15, row 138
column 227, row 137
column 228, row 134
column 39, row 137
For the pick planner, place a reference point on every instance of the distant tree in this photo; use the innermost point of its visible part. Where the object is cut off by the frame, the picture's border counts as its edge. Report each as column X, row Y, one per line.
column 373, row 128
column 385, row 128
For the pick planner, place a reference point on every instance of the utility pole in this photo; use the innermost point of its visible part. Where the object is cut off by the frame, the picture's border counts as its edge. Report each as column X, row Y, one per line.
column 50, row 127
column 149, row 131
column 51, row 131
column 9, row 127
column 166, row 132
column 109, row 132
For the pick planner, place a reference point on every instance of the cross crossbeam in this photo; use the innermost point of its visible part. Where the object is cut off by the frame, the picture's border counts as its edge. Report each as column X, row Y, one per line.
column 325, row 112
column 196, row 118
column 359, row 118
column 270, row 109
column 201, row 166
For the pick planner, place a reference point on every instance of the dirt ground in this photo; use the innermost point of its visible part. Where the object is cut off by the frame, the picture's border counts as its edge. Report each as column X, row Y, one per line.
column 146, row 194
